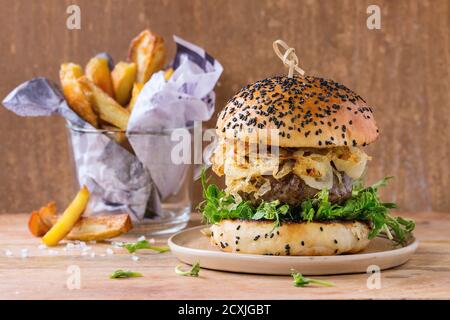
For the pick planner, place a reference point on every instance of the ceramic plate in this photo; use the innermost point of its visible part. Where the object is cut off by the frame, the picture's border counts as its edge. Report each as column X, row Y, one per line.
column 191, row 246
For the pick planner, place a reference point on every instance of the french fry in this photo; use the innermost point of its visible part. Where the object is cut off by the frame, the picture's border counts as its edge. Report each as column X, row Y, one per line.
column 85, row 229
column 105, row 106
column 68, row 219
column 42, row 220
column 147, row 50
column 48, row 213
column 123, row 77
column 168, row 73
column 97, row 71
column 75, row 96
column 100, row 228
column 137, row 87
column 36, row 226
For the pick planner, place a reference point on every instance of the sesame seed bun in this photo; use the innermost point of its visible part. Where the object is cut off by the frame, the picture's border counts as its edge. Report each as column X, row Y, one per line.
column 291, row 238
column 307, row 111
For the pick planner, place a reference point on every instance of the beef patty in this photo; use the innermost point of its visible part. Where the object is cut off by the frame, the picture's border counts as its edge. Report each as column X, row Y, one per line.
column 292, row 190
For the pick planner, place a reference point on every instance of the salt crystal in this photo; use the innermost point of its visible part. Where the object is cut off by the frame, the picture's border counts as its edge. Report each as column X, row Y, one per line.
column 152, row 240
column 85, row 253
column 70, row 246
column 52, row 252
column 24, row 253
column 92, row 254
column 86, row 248
column 141, row 238
column 8, row 253
column 109, row 251
column 135, row 258
column 42, row 247
column 117, row 244
column 82, row 244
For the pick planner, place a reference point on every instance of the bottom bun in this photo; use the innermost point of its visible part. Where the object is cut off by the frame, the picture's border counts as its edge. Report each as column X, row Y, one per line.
column 291, row 238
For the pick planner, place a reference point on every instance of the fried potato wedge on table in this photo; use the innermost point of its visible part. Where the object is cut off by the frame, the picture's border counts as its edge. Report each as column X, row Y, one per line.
column 42, row 220
column 100, row 228
column 137, row 87
column 69, row 74
column 36, row 226
column 96, row 228
column 147, row 50
column 123, row 77
column 68, row 219
column 97, row 70
column 106, row 107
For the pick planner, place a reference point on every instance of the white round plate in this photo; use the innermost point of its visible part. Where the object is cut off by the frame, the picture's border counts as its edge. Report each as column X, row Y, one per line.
column 191, row 246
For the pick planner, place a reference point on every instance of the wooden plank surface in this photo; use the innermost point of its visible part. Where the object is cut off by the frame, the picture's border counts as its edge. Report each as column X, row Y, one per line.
column 402, row 70
column 40, row 276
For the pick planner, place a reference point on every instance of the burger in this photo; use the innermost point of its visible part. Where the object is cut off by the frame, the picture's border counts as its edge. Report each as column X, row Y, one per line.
column 291, row 150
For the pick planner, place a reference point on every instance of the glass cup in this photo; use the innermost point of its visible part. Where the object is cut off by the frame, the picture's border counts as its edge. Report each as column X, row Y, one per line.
column 146, row 174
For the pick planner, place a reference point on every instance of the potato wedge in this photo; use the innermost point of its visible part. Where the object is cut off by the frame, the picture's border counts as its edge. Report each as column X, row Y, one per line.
column 100, row 228
column 75, row 96
column 42, row 220
column 48, row 213
column 105, row 106
column 107, row 56
column 97, row 70
column 147, row 50
column 68, row 219
column 168, row 73
column 36, row 226
column 137, row 87
column 123, row 77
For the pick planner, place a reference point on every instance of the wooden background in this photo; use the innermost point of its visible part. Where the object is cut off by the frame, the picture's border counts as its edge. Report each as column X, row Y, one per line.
column 402, row 70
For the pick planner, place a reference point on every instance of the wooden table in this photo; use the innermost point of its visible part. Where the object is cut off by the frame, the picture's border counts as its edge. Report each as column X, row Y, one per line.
column 44, row 276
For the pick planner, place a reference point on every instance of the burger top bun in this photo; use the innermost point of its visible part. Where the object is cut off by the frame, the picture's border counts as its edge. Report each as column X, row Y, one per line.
column 307, row 111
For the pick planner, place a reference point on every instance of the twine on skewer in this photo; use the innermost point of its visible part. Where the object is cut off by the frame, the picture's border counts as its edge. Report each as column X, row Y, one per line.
column 289, row 57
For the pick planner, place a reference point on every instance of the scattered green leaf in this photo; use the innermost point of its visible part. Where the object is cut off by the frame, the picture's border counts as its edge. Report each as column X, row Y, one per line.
column 144, row 244
column 121, row 274
column 302, row 281
column 193, row 272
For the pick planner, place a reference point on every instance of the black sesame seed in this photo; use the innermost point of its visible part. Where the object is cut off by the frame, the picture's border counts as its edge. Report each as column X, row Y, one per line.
column 321, row 229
